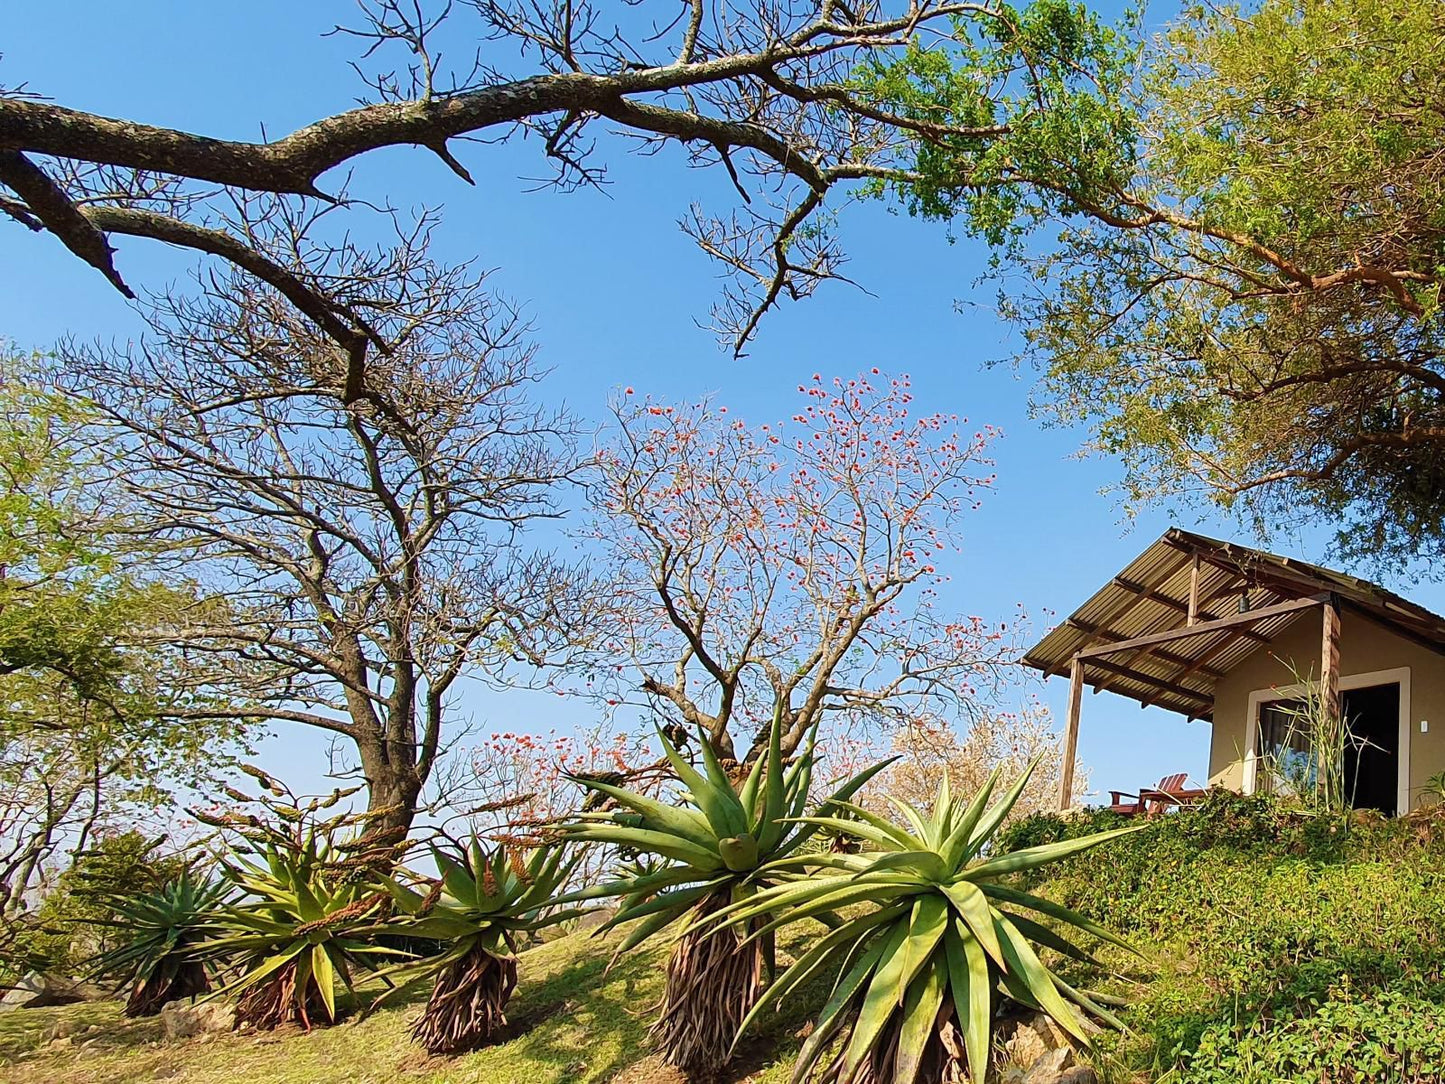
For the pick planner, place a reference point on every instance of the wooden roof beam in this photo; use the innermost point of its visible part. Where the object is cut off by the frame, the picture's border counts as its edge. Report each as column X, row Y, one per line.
column 1238, row 621
column 1169, row 603
column 1163, row 656
column 1145, row 679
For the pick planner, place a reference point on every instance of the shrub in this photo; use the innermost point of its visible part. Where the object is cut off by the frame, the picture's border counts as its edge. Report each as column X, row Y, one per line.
column 1387, row 1038
column 160, row 956
column 1255, row 915
column 307, row 922
column 696, row 859
column 477, row 910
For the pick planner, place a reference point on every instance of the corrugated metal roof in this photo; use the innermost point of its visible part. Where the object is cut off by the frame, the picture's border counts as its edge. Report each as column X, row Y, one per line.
column 1152, row 595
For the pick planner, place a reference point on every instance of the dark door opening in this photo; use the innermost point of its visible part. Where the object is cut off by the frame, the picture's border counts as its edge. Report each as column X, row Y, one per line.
column 1372, row 757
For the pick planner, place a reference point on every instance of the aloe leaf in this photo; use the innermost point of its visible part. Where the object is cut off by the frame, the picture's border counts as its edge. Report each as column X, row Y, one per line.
column 972, row 995
column 670, row 902
column 325, row 976
column 973, row 908
column 920, row 1018
column 879, row 1003
column 802, row 969
column 955, row 847
column 719, row 806
column 643, row 839
column 900, row 839
column 770, row 831
column 1055, row 910
column 926, row 864
column 1040, row 934
column 1025, row 965
column 989, row 822
column 1029, row 857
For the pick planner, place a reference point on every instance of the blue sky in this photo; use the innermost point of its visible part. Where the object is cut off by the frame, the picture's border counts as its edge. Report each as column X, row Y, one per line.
column 614, row 289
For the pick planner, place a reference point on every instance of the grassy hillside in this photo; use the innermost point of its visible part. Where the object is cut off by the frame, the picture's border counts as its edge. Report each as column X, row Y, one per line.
column 573, row 1021
column 1279, row 949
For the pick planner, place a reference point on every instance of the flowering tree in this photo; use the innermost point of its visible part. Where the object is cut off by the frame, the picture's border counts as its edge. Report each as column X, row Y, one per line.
column 788, row 568
column 1011, row 741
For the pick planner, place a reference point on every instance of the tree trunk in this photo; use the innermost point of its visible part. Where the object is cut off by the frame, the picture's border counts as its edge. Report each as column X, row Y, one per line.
column 392, row 793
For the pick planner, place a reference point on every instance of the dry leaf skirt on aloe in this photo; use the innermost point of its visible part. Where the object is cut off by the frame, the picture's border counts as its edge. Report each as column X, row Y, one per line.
column 713, row 981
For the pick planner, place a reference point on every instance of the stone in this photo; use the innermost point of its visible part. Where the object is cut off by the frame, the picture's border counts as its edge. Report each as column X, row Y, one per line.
column 1050, row 1067
column 183, row 1019
column 1079, row 1074
column 37, row 991
column 1033, row 1038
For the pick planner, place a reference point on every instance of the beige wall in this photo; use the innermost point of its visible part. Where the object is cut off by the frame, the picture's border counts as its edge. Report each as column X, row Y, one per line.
column 1364, row 647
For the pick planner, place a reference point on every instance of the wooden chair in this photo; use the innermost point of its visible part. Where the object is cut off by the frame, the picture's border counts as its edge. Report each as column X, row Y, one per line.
column 1169, row 792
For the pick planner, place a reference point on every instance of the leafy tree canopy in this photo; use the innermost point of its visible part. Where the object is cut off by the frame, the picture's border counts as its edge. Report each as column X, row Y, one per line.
column 1244, row 298
column 88, row 716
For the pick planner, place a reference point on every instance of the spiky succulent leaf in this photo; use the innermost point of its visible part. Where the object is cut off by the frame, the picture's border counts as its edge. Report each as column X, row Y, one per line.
column 722, row 837
column 159, row 956
column 485, row 899
column 938, row 942
column 304, row 922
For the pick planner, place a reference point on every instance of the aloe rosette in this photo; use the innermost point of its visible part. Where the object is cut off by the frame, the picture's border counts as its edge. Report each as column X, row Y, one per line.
column 482, row 902
column 305, row 925
column 941, row 935
column 160, row 956
column 716, row 847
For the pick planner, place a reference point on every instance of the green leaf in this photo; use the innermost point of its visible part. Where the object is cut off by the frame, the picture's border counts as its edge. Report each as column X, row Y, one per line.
column 1030, row 857
column 920, row 1018
column 972, row 995
column 880, row 1002
column 989, row 822
column 770, row 831
column 325, row 976
column 1024, row 964
column 642, row 839
column 718, row 804
column 972, row 907
column 1055, row 910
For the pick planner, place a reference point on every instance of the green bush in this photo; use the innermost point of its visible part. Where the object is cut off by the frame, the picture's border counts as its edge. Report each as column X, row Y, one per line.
column 73, row 921
column 1256, row 916
column 1389, row 1038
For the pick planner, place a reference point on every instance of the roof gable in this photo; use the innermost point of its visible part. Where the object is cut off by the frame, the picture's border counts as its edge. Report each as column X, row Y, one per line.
column 1152, row 594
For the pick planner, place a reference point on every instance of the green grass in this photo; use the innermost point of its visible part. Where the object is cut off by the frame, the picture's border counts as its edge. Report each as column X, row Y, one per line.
column 574, row 1022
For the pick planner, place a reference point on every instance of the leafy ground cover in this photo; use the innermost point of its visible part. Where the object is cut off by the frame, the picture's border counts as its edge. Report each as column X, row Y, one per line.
column 1283, row 948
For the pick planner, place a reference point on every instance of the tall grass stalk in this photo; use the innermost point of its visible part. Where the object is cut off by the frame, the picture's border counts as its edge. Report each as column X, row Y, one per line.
column 1316, row 774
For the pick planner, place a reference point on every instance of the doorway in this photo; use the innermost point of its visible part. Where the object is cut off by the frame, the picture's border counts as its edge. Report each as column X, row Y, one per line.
column 1376, row 705
column 1372, row 757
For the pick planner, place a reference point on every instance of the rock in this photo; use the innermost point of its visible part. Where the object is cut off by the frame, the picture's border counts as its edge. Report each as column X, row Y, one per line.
column 1048, row 1068
column 37, row 991
column 1079, row 1074
column 1033, row 1038
column 183, row 1019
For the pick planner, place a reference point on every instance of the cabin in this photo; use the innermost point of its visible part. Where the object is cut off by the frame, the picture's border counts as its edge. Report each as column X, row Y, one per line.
column 1237, row 637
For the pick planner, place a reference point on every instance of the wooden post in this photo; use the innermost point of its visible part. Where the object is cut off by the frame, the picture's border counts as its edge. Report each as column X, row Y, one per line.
column 1071, row 734
column 1330, row 660
column 1193, row 613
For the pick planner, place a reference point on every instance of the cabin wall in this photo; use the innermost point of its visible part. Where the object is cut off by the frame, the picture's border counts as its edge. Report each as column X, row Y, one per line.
column 1364, row 647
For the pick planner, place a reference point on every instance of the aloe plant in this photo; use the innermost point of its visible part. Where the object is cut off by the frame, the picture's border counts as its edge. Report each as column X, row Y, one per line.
column 479, row 906
column 715, row 849
column 160, row 958
column 943, row 935
column 307, row 921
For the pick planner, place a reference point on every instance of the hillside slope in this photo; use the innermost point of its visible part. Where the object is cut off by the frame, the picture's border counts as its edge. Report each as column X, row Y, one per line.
column 1276, row 948
column 1281, row 948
